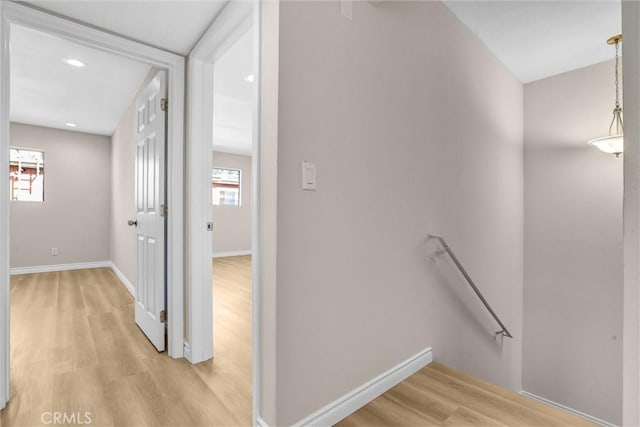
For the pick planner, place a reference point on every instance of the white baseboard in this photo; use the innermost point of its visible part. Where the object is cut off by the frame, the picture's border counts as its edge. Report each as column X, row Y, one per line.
column 230, row 253
column 356, row 399
column 77, row 266
column 595, row 420
column 60, row 267
column 123, row 279
column 261, row 423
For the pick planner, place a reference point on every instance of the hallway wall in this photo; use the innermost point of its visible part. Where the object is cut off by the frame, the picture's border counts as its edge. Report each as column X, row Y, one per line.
column 573, row 278
column 411, row 135
column 74, row 217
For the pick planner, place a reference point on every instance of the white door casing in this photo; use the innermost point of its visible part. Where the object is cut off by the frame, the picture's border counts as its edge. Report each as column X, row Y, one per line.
column 150, row 219
column 4, row 209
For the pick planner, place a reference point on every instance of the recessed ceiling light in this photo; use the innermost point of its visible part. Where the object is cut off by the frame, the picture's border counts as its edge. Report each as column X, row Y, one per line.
column 249, row 78
column 73, row 62
column 71, row 125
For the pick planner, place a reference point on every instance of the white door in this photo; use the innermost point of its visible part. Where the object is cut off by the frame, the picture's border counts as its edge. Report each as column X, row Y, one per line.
column 150, row 212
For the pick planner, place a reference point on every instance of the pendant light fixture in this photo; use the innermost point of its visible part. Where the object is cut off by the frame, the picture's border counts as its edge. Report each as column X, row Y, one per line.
column 613, row 144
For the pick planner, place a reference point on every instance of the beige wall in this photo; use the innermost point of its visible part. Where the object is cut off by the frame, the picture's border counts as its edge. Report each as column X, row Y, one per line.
column 232, row 224
column 573, row 245
column 75, row 214
column 123, row 144
column 415, row 128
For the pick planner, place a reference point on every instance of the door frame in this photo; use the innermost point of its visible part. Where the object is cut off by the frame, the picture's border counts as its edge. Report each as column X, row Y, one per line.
column 13, row 13
column 234, row 19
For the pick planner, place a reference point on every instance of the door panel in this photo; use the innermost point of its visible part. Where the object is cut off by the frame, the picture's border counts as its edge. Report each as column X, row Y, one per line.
column 150, row 197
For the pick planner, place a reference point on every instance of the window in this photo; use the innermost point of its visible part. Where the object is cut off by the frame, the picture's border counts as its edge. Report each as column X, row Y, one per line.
column 226, row 187
column 26, row 175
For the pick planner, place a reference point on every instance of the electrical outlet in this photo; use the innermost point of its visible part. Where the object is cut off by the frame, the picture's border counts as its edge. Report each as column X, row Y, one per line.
column 54, row 251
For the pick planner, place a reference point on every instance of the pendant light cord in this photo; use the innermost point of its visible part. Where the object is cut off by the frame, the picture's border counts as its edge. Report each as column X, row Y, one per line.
column 617, row 111
column 617, row 72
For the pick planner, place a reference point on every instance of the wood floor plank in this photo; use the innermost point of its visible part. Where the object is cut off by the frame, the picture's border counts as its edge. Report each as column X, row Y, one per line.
column 123, row 404
column 384, row 411
column 80, row 392
column 432, row 406
column 75, row 348
column 465, row 417
column 438, row 395
column 485, row 402
column 363, row 417
column 510, row 395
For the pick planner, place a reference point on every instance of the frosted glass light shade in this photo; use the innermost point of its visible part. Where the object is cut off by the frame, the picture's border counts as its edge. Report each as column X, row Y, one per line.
column 609, row 144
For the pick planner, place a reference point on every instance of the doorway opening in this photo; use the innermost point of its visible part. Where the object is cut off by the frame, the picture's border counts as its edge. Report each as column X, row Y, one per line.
column 78, row 271
column 78, row 187
column 223, row 157
column 232, row 206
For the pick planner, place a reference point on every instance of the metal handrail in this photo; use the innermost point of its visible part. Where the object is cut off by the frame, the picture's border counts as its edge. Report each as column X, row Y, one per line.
column 504, row 332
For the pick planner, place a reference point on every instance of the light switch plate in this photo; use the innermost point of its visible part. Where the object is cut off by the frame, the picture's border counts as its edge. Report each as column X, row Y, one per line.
column 309, row 178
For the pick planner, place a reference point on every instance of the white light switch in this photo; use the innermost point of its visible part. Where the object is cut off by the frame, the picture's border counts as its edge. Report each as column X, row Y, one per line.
column 309, row 181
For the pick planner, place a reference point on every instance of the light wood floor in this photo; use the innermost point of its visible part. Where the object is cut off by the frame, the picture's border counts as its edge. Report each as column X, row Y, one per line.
column 440, row 396
column 75, row 348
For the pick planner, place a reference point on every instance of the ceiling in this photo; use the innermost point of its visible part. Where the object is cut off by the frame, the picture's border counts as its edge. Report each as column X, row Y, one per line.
column 232, row 98
column 175, row 26
column 45, row 91
column 534, row 39
column 538, row 39
column 41, row 79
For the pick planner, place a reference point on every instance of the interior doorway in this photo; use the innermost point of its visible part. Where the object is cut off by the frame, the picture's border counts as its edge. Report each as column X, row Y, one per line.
column 78, row 271
column 16, row 16
column 232, row 188
column 223, row 157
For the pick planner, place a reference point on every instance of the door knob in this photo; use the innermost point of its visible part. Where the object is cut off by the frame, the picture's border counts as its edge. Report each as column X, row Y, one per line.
column 133, row 222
